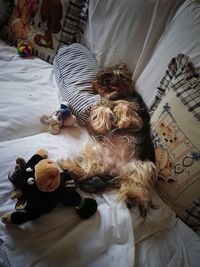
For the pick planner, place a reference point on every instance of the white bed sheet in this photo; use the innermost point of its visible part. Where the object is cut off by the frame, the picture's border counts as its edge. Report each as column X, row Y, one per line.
column 114, row 236
column 27, row 90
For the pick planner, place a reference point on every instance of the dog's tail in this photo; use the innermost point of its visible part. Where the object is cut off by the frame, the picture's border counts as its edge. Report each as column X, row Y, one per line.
column 137, row 179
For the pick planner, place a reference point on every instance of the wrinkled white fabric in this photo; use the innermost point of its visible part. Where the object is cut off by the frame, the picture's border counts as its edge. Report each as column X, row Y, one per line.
column 181, row 36
column 27, row 90
column 127, row 31
column 114, row 236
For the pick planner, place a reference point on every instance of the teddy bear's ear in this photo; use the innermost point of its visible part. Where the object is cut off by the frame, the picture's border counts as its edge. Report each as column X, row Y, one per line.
column 33, row 161
column 20, row 163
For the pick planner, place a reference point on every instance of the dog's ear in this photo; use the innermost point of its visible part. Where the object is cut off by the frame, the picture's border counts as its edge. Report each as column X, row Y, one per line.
column 127, row 116
column 123, row 67
column 102, row 119
column 20, row 163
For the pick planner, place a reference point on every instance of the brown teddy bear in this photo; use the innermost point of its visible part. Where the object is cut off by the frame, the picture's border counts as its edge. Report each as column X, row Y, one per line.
column 51, row 15
column 24, row 11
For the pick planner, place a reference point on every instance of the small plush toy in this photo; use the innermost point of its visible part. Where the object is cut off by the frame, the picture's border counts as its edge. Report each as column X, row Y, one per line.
column 24, row 49
column 59, row 118
column 39, row 186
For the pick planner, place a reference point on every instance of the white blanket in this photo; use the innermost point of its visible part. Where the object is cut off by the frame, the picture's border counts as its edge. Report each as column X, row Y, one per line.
column 114, row 236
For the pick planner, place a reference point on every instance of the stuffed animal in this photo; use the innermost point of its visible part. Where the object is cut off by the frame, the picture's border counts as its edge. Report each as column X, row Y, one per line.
column 24, row 11
column 39, row 186
column 59, row 118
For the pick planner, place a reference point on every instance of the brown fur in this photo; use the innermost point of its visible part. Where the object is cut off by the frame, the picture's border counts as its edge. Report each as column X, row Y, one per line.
column 113, row 82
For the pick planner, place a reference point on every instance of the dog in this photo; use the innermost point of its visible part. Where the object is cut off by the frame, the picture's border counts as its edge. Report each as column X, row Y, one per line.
column 120, row 153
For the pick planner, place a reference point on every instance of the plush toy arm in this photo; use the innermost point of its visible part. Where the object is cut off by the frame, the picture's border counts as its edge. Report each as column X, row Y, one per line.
column 69, row 197
column 87, row 208
column 20, row 217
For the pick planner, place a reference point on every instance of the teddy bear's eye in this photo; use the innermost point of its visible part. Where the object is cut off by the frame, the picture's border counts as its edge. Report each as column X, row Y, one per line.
column 31, row 180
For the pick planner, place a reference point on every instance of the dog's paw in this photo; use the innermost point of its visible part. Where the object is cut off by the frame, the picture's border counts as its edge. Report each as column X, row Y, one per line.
column 6, row 218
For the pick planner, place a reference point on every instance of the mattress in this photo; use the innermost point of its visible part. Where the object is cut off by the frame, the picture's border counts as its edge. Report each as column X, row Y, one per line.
column 115, row 235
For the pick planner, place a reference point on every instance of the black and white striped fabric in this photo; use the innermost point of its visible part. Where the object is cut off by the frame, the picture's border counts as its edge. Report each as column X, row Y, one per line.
column 75, row 68
column 182, row 78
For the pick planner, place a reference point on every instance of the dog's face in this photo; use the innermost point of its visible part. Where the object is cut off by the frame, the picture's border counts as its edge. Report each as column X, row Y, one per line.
column 114, row 81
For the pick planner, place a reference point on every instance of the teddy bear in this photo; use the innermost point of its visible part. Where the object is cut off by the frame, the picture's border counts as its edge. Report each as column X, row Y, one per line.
column 24, row 11
column 58, row 119
column 164, row 160
column 39, row 186
column 51, row 12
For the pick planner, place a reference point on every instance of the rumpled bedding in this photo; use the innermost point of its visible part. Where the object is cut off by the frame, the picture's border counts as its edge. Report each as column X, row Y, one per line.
column 115, row 235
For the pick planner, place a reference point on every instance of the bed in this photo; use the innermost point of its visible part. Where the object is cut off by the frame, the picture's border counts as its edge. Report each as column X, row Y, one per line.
column 115, row 236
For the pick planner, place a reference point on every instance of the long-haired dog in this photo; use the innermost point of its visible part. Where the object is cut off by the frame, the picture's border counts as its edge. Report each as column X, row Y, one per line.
column 120, row 153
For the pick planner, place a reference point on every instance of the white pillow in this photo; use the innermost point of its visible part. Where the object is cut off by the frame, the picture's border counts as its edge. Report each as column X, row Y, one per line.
column 182, row 36
column 122, row 31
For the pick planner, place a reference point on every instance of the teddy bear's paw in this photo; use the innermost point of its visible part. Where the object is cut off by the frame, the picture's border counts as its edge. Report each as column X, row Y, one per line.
column 16, row 194
column 69, row 121
column 43, row 153
column 54, row 129
column 45, row 119
column 6, row 218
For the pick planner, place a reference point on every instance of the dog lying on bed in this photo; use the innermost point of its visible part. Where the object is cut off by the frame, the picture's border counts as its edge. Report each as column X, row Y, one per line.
column 120, row 153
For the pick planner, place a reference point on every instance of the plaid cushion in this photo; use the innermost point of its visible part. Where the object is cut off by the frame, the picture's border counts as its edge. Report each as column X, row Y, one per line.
column 181, row 78
column 75, row 22
column 192, row 216
column 6, row 7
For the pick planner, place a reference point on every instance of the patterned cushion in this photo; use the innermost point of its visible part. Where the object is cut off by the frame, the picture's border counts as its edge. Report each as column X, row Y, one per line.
column 176, row 130
column 75, row 68
column 47, row 24
column 5, row 10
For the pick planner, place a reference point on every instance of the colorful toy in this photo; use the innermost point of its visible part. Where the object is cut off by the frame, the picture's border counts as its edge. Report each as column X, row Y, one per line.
column 58, row 119
column 24, row 49
column 39, row 187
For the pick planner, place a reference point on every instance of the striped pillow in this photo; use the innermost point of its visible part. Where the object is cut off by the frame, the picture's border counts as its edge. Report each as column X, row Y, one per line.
column 75, row 68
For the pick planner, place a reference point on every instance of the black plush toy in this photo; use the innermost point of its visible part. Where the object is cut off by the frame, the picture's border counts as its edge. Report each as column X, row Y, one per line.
column 39, row 187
